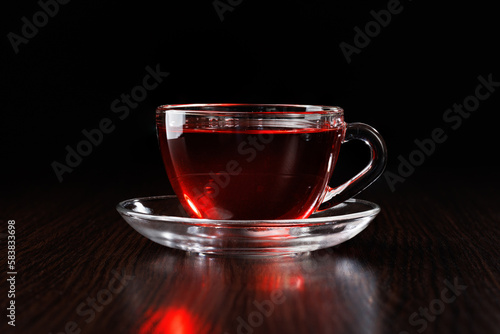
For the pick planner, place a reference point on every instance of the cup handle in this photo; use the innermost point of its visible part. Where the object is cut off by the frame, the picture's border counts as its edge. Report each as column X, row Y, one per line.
column 368, row 175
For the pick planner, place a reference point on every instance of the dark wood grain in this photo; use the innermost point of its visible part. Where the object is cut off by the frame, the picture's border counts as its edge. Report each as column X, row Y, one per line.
column 74, row 250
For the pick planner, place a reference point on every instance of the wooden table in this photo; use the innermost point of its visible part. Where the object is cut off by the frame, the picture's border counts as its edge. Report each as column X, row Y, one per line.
column 429, row 263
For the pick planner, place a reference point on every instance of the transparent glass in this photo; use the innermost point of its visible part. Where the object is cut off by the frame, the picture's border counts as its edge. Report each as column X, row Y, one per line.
column 163, row 220
column 260, row 161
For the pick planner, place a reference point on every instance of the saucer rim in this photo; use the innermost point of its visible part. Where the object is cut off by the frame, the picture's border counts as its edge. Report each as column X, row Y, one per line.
column 331, row 219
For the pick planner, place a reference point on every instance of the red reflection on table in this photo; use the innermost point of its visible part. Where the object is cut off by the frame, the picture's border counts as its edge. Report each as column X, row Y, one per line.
column 276, row 281
column 173, row 320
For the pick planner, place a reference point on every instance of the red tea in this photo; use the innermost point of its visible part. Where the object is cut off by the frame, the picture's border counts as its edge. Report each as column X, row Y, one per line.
column 250, row 174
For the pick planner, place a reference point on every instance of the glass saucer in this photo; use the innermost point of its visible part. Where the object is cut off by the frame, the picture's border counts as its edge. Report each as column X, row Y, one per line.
column 163, row 220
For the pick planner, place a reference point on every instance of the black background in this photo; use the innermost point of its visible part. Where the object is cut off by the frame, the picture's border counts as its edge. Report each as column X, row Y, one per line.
column 65, row 78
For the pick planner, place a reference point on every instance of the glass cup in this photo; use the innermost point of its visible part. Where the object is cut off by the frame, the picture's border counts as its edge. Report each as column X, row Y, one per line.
column 260, row 161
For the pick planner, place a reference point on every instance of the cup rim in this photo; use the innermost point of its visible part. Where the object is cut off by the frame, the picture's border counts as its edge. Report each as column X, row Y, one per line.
column 256, row 108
